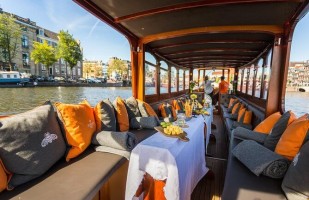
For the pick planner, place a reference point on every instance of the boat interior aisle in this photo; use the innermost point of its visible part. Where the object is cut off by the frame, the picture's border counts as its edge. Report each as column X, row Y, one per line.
column 211, row 186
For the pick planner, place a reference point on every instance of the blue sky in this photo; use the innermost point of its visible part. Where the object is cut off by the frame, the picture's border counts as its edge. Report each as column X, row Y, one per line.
column 100, row 42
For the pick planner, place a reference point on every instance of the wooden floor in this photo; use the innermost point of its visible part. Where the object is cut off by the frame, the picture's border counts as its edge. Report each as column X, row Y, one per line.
column 211, row 185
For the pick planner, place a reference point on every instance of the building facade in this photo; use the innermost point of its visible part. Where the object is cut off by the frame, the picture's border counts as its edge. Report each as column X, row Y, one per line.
column 31, row 32
column 298, row 74
column 93, row 69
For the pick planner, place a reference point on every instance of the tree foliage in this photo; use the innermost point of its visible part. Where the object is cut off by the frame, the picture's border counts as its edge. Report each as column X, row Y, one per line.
column 118, row 66
column 43, row 53
column 10, row 38
column 69, row 49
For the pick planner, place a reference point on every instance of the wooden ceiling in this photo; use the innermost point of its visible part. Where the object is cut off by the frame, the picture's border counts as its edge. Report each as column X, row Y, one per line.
column 191, row 33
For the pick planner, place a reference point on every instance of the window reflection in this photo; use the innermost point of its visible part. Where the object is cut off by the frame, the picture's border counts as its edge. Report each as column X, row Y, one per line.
column 250, row 81
column 240, row 73
column 163, row 77
column 150, row 74
column 267, row 70
column 173, row 79
column 258, row 79
column 187, row 79
column 245, row 78
column 180, row 80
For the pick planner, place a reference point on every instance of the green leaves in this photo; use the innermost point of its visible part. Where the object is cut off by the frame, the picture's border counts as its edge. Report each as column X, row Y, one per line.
column 69, row 49
column 43, row 53
column 10, row 38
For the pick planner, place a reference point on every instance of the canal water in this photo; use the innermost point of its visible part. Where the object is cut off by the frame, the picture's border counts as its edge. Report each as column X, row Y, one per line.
column 16, row 100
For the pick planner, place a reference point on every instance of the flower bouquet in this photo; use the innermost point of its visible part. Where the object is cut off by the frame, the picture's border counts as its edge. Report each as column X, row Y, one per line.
column 191, row 85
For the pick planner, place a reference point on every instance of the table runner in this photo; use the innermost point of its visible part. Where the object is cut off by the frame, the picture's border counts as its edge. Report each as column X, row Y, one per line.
column 182, row 164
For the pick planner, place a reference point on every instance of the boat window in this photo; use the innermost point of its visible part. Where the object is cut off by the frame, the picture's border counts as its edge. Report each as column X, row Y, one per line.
column 8, row 76
column 150, row 74
column 1, row 76
column 266, row 75
column 201, row 77
column 163, row 77
column 258, row 79
column 195, row 75
column 244, row 82
column 173, row 79
column 250, row 80
column 187, row 79
column 240, row 73
column 180, row 75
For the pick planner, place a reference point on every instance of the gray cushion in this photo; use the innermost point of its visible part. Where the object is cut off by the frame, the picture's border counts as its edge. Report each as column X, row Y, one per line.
column 246, row 134
column 240, row 124
column 229, row 115
column 260, row 160
column 168, row 111
column 224, row 99
column 30, row 143
column 107, row 115
column 144, row 122
column 278, row 129
column 180, row 104
column 296, row 181
column 132, row 108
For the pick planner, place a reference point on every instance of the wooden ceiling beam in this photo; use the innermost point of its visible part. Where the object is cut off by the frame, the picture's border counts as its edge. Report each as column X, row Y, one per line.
column 211, row 42
column 270, row 29
column 213, row 50
column 211, row 56
column 190, row 5
column 214, row 60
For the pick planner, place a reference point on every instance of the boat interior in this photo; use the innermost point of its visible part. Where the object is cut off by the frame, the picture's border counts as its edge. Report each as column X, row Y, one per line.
column 246, row 41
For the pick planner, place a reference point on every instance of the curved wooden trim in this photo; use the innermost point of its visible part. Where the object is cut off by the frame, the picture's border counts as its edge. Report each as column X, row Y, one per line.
column 211, row 42
column 183, row 6
column 211, row 60
column 270, row 29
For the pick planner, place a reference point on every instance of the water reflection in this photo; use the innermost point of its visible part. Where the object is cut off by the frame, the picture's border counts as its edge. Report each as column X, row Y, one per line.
column 16, row 100
column 298, row 102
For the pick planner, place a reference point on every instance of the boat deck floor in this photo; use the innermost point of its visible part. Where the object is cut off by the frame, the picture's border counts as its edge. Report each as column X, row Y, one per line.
column 211, row 185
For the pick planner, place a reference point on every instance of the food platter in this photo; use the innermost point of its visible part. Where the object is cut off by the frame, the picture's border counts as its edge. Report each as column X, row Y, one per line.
column 181, row 136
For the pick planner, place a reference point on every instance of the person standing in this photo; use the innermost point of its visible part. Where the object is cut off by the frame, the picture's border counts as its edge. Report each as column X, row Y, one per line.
column 208, row 89
column 223, row 86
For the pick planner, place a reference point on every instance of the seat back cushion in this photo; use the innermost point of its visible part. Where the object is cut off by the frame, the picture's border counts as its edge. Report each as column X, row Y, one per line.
column 267, row 124
column 78, row 124
column 121, row 114
column 275, row 134
column 296, row 181
column 293, row 137
column 104, row 114
column 132, row 108
column 30, row 143
column 247, row 117
column 145, row 109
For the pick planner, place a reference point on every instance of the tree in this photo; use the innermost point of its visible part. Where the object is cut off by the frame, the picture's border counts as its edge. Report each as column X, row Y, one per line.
column 118, row 66
column 43, row 53
column 69, row 49
column 10, row 37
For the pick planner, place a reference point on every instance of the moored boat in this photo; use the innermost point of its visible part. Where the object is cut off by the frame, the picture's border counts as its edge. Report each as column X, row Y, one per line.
column 12, row 77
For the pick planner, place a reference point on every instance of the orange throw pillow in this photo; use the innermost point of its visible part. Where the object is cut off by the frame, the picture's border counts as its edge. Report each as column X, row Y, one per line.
column 248, row 117
column 122, row 114
column 235, row 108
column 231, row 102
column 175, row 105
column 293, row 138
column 240, row 114
column 78, row 124
column 3, row 177
column 162, row 110
column 267, row 124
column 149, row 110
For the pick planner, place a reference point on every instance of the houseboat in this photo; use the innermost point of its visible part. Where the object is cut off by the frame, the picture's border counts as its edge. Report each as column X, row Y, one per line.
column 249, row 41
column 12, row 77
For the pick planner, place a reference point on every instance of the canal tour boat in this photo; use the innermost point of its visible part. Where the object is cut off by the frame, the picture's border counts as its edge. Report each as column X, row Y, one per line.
column 260, row 151
column 12, row 77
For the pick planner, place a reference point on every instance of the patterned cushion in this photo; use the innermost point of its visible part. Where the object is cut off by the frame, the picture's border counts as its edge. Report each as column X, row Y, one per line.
column 30, row 143
column 145, row 109
column 104, row 114
column 296, row 181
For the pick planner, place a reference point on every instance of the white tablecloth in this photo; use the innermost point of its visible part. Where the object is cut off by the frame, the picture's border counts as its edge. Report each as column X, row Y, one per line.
column 208, row 120
column 182, row 164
